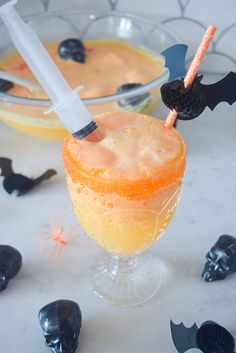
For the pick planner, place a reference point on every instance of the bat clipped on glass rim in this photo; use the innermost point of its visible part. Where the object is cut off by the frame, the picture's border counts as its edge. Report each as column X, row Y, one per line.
column 189, row 102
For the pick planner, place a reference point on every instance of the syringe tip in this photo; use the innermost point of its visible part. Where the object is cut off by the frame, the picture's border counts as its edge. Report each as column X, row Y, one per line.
column 88, row 129
column 95, row 136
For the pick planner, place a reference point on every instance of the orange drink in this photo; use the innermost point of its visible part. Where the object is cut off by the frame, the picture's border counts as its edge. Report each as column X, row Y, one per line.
column 124, row 189
column 104, row 59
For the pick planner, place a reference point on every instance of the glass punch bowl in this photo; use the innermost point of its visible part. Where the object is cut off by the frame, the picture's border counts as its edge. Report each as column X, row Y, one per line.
column 27, row 115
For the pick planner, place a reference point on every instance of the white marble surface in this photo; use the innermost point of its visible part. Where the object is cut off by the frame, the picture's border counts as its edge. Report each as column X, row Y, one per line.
column 206, row 210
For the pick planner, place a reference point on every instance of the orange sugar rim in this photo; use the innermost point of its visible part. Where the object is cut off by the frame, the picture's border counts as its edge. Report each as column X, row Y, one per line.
column 133, row 189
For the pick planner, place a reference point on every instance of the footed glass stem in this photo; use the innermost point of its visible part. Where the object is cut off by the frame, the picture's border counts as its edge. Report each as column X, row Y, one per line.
column 126, row 280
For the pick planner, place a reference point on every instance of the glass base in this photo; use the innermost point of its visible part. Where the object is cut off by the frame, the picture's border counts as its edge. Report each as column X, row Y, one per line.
column 126, row 280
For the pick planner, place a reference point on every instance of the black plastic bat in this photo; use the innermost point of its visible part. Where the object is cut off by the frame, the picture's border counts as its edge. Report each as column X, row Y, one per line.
column 18, row 182
column 209, row 338
column 190, row 102
column 183, row 337
column 175, row 58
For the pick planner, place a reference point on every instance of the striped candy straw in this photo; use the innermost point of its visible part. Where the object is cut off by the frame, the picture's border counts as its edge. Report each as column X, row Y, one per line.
column 193, row 69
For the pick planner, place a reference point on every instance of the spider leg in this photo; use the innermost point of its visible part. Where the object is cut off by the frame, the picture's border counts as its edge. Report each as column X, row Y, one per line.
column 59, row 219
column 59, row 250
column 53, row 251
column 46, row 235
column 54, row 226
column 55, row 223
column 72, row 238
column 43, row 234
column 70, row 231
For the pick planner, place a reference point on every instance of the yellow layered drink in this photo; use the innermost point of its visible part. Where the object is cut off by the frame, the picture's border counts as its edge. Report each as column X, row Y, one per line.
column 125, row 189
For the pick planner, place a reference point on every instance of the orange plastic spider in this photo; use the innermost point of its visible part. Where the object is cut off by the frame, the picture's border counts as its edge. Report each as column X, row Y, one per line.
column 59, row 236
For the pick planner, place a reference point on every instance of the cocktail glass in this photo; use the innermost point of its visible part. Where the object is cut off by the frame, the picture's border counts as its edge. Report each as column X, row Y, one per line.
column 124, row 192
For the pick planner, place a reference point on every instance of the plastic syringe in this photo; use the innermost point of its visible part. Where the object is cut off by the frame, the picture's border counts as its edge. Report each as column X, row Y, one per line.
column 66, row 103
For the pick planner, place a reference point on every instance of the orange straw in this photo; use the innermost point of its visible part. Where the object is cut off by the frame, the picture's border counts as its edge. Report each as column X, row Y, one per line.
column 193, row 69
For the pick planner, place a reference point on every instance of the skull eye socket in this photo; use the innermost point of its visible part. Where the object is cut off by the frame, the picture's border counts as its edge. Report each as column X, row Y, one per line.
column 51, row 341
column 2, row 276
column 68, row 337
column 224, row 265
column 212, row 254
column 3, row 282
column 210, row 258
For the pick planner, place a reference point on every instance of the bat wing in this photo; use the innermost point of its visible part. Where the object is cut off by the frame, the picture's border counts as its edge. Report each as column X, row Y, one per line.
column 47, row 175
column 183, row 337
column 175, row 58
column 221, row 91
column 6, row 167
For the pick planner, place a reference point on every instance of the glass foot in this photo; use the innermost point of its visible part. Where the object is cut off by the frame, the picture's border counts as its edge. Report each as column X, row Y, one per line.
column 126, row 280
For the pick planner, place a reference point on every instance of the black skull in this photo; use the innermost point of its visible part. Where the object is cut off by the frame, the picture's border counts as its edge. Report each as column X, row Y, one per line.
column 61, row 323
column 10, row 264
column 221, row 259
